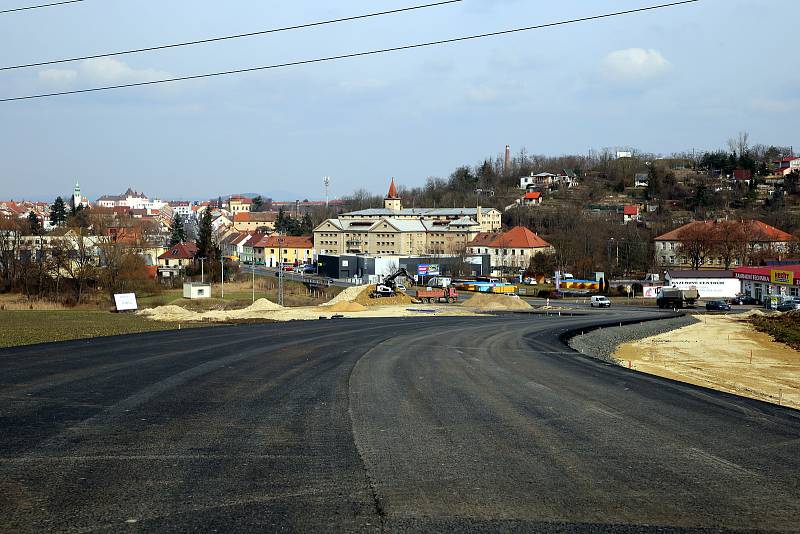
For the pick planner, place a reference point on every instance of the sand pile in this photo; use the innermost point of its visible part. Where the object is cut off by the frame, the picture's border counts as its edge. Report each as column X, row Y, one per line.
column 401, row 299
column 171, row 313
column 345, row 307
column 350, row 294
column 490, row 302
column 263, row 305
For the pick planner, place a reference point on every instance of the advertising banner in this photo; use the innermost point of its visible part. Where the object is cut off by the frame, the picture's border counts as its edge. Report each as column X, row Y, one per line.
column 784, row 278
column 428, row 270
column 125, row 302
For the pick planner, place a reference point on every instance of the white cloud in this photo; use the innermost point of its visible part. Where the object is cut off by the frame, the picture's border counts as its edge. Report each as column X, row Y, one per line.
column 58, row 76
column 100, row 71
column 635, row 65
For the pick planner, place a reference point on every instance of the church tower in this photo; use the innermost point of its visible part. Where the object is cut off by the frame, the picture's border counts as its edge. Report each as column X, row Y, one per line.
column 392, row 200
column 77, row 197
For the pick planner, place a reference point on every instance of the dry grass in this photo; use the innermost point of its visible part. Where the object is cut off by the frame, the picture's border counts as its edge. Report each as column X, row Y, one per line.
column 42, row 326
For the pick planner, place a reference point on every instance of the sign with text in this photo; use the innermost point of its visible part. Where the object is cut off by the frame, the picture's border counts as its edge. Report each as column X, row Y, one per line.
column 125, row 302
column 781, row 277
column 428, row 270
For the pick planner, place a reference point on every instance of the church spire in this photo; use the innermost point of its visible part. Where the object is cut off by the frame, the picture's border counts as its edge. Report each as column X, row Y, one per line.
column 392, row 191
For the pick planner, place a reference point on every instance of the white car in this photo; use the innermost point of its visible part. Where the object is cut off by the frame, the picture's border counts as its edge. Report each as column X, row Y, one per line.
column 400, row 287
column 600, row 301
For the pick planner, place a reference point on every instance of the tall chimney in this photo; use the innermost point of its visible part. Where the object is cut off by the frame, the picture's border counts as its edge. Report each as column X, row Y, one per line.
column 507, row 162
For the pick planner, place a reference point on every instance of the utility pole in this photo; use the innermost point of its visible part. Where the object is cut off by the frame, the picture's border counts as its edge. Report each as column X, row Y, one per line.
column 202, row 270
column 253, row 270
column 222, row 267
column 327, row 181
column 280, row 271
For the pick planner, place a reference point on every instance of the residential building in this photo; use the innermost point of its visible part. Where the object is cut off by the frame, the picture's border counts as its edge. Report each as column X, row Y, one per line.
column 631, row 214
column 182, row 208
column 787, row 163
column 511, row 250
column 642, row 179
column 760, row 238
column 395, row 230
column 277, row 250
column 250, row 221
column 239, row 204
column 177, row 258
column 532, row 198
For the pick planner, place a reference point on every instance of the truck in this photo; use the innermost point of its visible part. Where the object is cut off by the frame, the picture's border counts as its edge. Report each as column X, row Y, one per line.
column 444, row 295
column 673, row 297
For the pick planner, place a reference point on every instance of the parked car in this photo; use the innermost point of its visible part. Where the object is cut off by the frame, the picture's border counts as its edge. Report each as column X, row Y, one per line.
column 400, row 287
column 717, row 305
column 789, row 304
column 747, row 300
column 600, row 301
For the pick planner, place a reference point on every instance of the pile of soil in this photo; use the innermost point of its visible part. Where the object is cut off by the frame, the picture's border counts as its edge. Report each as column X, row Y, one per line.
column 346, row 307
column 401, row 299
column 263, row 305
column 170, row 313
column 491, row 302
column 348, row 295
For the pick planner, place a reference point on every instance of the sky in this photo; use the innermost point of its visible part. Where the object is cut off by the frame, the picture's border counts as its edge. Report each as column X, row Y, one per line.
column 662, row 81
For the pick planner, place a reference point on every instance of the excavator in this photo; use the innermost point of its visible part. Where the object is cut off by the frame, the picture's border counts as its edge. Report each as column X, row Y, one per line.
column 388, row 288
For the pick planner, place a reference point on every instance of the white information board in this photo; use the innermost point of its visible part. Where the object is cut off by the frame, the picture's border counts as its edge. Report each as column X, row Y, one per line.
column 125, row 302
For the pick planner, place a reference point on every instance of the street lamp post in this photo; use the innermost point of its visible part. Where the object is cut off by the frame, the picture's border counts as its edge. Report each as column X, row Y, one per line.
column 202, row 270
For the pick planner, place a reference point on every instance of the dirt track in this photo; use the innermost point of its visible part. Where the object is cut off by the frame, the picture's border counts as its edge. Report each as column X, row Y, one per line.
column 716, row 353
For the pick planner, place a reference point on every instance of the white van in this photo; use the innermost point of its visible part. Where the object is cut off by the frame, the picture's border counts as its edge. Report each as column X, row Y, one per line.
column 601, row 301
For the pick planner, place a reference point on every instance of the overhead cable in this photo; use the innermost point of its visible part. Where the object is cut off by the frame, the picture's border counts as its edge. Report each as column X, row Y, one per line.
column 40, row 6
column 230, row 37
column 352, row 55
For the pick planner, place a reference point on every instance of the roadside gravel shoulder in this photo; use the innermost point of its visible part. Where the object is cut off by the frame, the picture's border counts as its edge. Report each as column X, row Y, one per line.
column 602, row 343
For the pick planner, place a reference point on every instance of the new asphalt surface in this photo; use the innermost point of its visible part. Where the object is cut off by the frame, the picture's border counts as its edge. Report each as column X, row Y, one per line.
column 448, row 424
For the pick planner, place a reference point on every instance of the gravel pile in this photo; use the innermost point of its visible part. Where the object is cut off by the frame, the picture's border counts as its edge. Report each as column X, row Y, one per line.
column 603, row 343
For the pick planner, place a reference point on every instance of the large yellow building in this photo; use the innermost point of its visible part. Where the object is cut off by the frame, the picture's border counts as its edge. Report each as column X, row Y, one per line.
column 394, row 230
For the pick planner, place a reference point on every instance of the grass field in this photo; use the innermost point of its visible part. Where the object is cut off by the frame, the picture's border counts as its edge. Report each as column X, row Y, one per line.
column 25, row 327
column 783, row 328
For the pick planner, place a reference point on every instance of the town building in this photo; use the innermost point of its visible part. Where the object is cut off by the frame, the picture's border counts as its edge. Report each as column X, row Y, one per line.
column 710, row 284
column 631, row 214
column 250, row 221
column 129, row 199
column 239, row 204
column 511, row 250
column 757, row 238
column 78, row 200
column 275, row 250
column 532, row 198
column 395, row 230
column 176, row 259
column 763, row 283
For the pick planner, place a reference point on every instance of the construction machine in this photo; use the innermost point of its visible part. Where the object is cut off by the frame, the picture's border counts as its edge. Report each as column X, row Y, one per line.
column 388, row 288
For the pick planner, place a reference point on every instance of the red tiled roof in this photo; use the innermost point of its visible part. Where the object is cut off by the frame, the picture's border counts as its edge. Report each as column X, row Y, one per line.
column 283, row 241
column 517, row 237
column 756, row 231
column 631, row 210
column 255, row 216
column 181, row 251
column 742, row 174
column 534, row 195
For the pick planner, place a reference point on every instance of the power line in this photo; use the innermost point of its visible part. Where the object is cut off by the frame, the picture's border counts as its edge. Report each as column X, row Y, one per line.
column 352, row 55
column 229, row 37
column 27, row 8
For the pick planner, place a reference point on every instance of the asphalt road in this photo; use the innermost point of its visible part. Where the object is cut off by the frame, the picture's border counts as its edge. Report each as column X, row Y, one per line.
column 454, row 424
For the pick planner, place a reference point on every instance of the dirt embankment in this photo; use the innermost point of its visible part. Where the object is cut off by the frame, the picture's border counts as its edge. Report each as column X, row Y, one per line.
column 491, row 302
column 721, row 352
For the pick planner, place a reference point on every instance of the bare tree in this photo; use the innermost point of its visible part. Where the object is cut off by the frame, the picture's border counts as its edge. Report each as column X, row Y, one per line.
column 74, row 256
column 696, row 242
column 730, row 239
column 740, row 144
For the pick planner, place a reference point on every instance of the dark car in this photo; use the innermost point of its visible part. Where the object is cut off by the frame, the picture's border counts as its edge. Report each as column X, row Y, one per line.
column 717, row 305
column 788, row 305
column 746, row 300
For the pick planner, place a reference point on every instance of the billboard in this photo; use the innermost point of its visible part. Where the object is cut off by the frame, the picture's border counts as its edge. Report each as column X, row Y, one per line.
column 428, row 270
column 125, row 302
column 785, row 278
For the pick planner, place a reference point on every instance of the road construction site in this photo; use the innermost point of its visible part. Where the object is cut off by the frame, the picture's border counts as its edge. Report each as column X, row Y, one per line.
column 353, row 302
column 723, row 352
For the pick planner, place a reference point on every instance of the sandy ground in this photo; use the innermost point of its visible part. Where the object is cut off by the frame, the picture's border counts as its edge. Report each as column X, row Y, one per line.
column 352, row 302
column 716, row 353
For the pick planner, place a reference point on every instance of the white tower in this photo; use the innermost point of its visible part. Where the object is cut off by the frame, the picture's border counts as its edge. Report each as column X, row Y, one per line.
column 77, row 197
